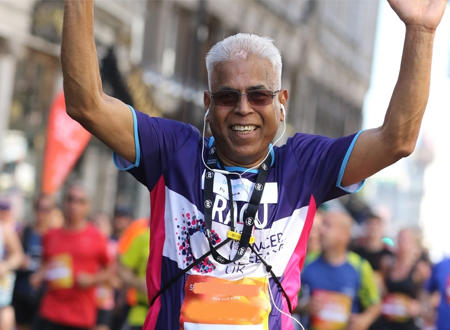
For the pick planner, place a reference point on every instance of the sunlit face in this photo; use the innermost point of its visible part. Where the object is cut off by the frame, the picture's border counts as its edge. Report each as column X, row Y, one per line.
column 335, row 230
column 407, row 242
column 76, row 205
column 374, row 229
column 244, row 132
column 44, row 207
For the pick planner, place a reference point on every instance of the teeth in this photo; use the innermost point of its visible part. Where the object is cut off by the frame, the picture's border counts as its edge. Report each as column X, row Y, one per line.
column 243, row 128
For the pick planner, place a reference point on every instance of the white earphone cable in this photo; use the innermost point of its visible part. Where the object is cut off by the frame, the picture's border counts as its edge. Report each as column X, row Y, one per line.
column 283, row 312
column 240, row 177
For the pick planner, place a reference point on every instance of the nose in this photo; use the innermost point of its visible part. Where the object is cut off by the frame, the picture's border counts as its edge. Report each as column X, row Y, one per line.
column 243, row 107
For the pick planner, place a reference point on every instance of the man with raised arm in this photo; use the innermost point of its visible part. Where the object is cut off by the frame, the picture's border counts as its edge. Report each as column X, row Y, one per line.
column 231, row 214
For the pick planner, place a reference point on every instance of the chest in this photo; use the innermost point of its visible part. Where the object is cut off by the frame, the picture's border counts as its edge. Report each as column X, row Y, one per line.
column 82, row 248
column 343, row 279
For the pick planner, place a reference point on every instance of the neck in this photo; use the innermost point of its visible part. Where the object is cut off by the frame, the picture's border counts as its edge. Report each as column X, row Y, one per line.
column 374, row 244
column 77, row 224
column 335, row 255
column 247, row 162
column 40, row 228
column 406, row 258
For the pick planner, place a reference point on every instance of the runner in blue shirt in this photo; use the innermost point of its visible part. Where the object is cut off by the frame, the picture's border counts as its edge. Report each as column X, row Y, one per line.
column 339, row 290
column 440, row 282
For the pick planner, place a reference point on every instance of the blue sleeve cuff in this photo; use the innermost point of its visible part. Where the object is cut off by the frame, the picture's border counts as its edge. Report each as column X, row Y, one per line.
column 123, row 164
column 354, row 187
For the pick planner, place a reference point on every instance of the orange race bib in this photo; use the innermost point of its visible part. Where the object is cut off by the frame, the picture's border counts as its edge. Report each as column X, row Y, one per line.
column 214, row 303
column 60, row 272
column 335, row 311
column 395, row 307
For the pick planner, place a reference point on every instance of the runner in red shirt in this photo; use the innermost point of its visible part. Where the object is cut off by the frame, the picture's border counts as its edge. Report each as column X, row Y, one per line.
column 75, row 260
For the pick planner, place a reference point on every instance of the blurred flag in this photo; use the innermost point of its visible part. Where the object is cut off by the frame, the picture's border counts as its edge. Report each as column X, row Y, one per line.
column 66, row 140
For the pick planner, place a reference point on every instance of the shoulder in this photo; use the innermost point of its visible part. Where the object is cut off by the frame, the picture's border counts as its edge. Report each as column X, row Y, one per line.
column 53, row 232
column 444, row 264
column 95, row 232
column 305, row 141
column 311, row 257
column 145, row 122
column 313, row 263
column 360, row 264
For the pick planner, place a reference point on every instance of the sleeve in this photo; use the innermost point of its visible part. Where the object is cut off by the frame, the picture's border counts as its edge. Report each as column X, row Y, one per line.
column 133, row 256
column 156, row 139
column 323, row 161
column 368, row 293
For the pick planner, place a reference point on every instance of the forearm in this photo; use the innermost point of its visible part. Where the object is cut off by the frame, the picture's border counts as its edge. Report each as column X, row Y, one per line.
column 130, row 279
column 82, row 83
column 371, row 313
column 409, row 99
column 13, row 261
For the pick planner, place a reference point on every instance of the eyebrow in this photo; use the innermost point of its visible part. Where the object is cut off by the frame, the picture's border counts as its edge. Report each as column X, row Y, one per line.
column 227, row 88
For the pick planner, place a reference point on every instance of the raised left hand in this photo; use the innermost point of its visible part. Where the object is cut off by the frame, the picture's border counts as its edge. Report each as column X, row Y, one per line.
column 422, row 13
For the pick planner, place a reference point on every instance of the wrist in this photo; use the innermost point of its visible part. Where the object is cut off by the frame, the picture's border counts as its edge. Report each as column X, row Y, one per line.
column 419, row 28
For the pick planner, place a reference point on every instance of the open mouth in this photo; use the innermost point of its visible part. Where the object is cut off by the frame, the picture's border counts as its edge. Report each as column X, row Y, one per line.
column 243, row 128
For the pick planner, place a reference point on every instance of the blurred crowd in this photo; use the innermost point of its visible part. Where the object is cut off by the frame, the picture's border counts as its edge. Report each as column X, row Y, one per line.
column 370, row 282
column 65, row 269
column 68, row 269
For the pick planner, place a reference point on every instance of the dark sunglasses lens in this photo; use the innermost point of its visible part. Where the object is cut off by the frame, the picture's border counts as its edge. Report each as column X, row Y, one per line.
column 77, row 200
column 259, row 98
column 226, row 98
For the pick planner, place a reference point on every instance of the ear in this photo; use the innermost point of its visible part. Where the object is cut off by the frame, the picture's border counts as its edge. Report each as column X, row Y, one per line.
column 282, row 98
column 206, row 102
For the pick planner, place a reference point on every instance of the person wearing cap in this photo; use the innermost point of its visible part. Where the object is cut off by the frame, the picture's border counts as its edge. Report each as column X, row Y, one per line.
column 231, row 213
column 11, row 256
column 121, row 220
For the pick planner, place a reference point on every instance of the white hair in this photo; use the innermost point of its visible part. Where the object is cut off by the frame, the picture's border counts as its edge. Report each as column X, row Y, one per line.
column 240, row 46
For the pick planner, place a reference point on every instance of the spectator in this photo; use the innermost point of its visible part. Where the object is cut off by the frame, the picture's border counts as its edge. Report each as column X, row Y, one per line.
column 26, row 299
column 74, row 261
column 121, row 220
column 128, row 297
column 11, row 256
column 313, row 247
column 439, row 283
column 404, row 282
column 373, row 249
column 132, row 268
column 105, row 293
column 338, row 288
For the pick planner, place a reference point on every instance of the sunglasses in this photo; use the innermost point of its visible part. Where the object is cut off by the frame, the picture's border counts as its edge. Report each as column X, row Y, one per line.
column 74, row 199
column 44, row 208
column 256, row 97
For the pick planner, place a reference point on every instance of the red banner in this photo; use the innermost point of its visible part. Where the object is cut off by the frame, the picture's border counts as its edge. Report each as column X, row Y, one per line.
column 66, row 140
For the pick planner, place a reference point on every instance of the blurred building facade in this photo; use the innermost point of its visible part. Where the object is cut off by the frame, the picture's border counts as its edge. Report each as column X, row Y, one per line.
column 159, row 49
column 30, row 74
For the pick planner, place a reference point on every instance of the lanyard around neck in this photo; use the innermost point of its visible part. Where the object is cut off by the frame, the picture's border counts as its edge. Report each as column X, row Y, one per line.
column 249, row 214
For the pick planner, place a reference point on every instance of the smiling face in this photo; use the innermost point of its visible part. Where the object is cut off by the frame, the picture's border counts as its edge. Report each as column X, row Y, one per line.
column 243, row 132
